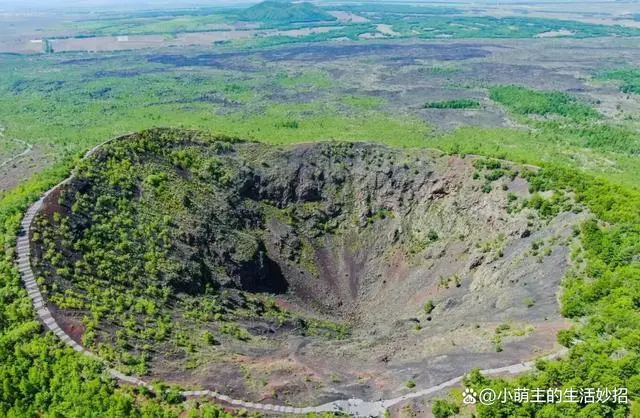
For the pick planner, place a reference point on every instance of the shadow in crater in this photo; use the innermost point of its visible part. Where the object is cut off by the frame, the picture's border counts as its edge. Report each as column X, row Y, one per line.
column 267, row 277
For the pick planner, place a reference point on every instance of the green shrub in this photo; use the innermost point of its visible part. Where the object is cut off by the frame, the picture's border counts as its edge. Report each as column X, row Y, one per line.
column 494, row 175
column 289, row 124
column 235, row 331
column 524, row 101
column 156, row 180
column 443, row 408
column 208, row 338
column 428, row 307
column 453, row 104
column 629, row 77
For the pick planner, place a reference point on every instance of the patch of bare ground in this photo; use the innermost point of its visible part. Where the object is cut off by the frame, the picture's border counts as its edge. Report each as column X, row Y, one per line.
column 20, row 44
column 117, row 43
column 616, row 15
column 535, row 76
column 349, row 17
column 555, row 33
column 70, row 322
column 541, row 339
column 450, row 119
column 386, row 29
column 614, row 104
column 21, row 167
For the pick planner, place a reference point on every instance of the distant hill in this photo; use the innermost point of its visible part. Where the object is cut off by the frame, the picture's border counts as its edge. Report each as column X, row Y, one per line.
column 284, row 12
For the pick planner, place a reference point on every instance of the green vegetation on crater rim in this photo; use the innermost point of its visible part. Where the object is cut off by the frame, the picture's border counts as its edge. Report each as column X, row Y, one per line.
column 608, row 250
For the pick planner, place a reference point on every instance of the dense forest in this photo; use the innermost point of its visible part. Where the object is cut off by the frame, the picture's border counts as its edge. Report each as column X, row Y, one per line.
column 285, row 12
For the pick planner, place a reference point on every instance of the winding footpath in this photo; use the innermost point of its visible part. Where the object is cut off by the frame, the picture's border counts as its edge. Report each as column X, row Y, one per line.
column 27, row 150
column 353, row 407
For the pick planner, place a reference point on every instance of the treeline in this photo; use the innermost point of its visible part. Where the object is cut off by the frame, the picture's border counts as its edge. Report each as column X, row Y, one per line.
column 524, row 101
column 453, row 104
column 352, row 32
column 566, row 119
column 404, row 9
column 629, row 77
column 434, row 26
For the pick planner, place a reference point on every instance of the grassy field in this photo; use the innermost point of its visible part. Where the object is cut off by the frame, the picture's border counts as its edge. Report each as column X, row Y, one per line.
column 149, row 25
column 106, row 106
column 64, row 105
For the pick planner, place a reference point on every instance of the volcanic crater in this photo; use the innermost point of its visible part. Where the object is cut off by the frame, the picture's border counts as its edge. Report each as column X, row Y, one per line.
column 302, row 273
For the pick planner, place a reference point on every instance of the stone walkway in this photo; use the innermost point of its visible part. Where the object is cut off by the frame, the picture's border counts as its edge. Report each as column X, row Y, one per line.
column 353, row 407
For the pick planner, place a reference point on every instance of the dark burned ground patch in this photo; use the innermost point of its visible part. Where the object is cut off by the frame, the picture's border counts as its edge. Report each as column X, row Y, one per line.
column 214, row 97
column 226, row 61
column 406, row 74
column 293, row 96
column 83, row 60
column 416, row 97
column 483, row 73
column 128, row 73
column 402, row 53
column 531, row 75
column 450, row 119
column 336, row 233
column 320, row 53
